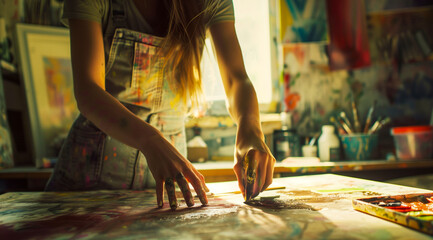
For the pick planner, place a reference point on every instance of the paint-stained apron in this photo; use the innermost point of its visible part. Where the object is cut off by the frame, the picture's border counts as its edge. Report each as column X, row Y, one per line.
column 90, row 159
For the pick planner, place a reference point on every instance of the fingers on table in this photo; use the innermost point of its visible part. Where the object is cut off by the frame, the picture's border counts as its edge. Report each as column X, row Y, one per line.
column 201, row 177
column 160, row 193
column 169, row 182
column 264, row 171
column 184, row 187
column 198, row 184
column 171, row 192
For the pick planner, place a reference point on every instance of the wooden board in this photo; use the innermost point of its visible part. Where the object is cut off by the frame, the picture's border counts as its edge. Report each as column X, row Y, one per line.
column 310, row 207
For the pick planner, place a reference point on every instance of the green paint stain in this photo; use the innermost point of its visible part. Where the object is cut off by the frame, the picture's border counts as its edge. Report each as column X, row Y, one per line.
column 382, row 234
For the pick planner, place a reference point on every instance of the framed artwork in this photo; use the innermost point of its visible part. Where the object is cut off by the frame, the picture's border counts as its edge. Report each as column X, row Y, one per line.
column 46, row 71
column 6, row 158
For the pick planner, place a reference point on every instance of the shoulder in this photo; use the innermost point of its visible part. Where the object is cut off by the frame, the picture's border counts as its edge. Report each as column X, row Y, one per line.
column 219, row 10
column 93, row 10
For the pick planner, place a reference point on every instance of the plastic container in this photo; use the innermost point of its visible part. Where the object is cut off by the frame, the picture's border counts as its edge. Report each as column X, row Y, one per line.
column 413, row 142
column 329, row 144
column 309, row 151
column 359, row 146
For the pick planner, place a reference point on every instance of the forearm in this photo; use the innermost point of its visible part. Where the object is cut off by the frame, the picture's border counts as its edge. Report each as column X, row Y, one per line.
column 243, row 106
column 109, row 115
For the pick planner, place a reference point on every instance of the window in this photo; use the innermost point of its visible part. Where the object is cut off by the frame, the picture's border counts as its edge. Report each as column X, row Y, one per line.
column 252, row 28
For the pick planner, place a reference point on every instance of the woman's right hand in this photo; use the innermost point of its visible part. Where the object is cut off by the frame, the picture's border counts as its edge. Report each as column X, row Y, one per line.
column 168, row 166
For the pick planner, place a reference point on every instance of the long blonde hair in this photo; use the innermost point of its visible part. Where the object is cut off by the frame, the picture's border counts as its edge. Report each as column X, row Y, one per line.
column 183, row 45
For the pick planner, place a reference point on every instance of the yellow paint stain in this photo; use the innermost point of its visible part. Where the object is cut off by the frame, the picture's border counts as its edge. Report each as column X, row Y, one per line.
column 285, row 18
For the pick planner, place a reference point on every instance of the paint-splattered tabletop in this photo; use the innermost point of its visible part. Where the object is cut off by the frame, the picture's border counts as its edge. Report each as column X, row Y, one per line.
column 308, row 207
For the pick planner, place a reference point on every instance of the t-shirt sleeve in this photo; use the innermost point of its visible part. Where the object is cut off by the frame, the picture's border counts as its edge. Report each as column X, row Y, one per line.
column 225, row 12
column 92, row 10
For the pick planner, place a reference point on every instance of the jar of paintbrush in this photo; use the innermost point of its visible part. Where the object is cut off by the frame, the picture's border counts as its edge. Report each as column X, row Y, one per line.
column 359, row 141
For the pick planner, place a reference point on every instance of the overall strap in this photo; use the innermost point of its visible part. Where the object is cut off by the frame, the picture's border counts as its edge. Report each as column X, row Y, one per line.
column 116, row 19
column 118, row 14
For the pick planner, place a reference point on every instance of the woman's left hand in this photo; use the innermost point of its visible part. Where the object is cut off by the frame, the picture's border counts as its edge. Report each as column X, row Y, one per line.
column 254, row 162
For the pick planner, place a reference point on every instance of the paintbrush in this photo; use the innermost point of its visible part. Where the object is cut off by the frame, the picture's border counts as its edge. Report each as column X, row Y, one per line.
column 375, row 125
column 345, row 126
column 340, row 128
column 369, row 116
column 237, row 191
column 380, row 125
column 356, row 123
column 346, row 120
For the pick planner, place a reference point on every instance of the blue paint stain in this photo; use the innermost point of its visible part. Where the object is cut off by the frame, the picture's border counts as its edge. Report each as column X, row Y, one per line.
column 296, row 230
column 10, row 211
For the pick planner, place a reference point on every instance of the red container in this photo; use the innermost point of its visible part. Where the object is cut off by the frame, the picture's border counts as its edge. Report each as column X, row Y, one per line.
column 413, row 142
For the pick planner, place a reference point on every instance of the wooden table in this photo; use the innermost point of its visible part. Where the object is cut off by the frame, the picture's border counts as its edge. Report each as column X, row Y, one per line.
column 309, row 207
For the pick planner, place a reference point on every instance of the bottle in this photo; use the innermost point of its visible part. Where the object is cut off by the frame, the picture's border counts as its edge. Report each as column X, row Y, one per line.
column 329, row 144
column 286, row 140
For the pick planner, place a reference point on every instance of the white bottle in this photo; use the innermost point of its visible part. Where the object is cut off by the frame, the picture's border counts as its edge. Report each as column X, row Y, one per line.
column 329, row 144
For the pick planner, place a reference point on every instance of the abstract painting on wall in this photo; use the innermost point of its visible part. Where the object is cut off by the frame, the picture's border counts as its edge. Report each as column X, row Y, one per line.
column 302, row 21
column 6, row 158
column 47, row 76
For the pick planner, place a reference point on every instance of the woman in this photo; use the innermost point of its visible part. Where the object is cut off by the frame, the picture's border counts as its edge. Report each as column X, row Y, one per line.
column 135, row 68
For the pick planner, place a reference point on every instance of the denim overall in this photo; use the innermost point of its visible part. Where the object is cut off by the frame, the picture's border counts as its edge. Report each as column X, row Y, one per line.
column 90, row 159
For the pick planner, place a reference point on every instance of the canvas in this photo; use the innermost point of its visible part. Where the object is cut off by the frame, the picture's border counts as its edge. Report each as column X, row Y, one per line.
column 47, row 75
column 309, row 207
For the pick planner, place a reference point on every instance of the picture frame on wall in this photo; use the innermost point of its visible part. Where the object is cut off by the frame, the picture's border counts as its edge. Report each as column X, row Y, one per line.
column 46, row 72
column 6, row 151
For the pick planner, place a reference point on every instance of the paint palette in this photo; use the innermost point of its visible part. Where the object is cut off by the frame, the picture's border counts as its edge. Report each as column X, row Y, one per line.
column 411, row 210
